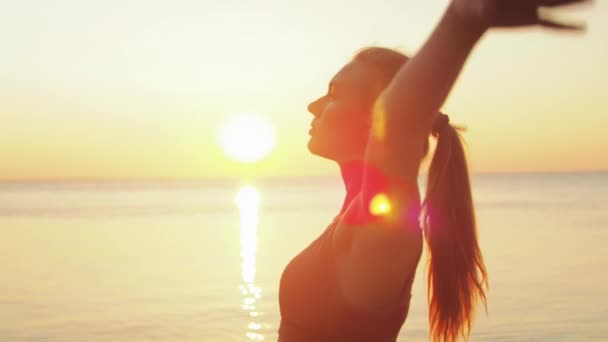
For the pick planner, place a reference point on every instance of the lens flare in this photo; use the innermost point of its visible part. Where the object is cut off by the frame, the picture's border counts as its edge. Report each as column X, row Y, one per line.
column 380, row 205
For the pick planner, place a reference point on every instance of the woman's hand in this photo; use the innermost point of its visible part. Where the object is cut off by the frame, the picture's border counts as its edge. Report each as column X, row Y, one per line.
column 484, row 14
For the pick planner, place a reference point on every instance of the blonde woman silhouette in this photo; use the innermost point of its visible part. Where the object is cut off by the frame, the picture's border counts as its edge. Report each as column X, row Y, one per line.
column 353, row 283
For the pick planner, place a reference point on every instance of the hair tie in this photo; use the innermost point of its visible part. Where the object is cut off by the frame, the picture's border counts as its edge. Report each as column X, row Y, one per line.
column 441, row 122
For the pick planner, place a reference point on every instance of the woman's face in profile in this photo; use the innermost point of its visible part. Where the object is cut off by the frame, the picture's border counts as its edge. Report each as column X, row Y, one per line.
column 342, row 117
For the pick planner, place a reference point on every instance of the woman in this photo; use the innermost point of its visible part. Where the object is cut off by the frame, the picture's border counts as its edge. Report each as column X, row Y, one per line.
column 353, row 283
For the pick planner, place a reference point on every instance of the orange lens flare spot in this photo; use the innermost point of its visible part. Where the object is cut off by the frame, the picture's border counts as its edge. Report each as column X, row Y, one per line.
column 380, row 205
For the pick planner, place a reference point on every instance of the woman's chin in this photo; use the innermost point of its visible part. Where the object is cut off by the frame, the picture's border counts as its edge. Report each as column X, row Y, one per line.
column 319, row 151
column 311, row 146
column 314, row 148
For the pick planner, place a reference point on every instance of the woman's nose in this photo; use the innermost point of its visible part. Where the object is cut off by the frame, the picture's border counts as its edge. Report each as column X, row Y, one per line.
column 314, row 107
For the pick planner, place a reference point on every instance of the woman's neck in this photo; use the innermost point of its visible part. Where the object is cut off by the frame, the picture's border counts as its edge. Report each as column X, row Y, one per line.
column 352, row 176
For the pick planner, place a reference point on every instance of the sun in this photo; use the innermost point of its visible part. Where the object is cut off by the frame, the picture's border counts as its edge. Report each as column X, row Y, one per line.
column 247, row 137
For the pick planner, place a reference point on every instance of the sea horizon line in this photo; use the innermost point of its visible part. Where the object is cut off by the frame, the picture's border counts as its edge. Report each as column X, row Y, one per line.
column 263, row 179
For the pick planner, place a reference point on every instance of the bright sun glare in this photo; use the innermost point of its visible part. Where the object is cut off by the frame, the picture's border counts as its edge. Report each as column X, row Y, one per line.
column 247, row 137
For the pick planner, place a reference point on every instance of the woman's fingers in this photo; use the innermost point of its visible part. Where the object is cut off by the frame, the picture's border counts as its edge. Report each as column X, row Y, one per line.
column 575, row 27
column 546, row 18
column 554, row 3
column 520, row 13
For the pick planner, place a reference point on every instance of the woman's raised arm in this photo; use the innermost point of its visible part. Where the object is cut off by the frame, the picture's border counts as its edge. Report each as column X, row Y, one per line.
column 405, row 111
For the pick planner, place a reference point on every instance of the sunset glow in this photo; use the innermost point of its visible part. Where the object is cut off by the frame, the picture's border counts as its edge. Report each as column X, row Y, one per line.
column 158, row 93
column 247, row 138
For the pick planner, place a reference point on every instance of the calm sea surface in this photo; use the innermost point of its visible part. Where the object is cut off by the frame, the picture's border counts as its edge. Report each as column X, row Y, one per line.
column 187, row 261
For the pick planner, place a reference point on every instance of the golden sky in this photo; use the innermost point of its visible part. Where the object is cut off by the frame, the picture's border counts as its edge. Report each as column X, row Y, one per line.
column 138, row 89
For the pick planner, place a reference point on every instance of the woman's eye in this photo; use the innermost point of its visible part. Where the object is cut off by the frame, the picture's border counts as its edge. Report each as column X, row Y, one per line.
column 331, row 94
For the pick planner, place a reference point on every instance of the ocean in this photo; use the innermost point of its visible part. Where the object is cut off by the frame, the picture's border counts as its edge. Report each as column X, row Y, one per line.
column 201, row 260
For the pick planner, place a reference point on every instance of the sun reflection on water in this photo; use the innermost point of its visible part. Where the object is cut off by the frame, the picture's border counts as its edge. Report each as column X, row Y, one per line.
column 248, row 201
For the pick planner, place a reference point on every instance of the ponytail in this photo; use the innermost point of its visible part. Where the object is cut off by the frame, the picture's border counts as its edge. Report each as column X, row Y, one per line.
column 457, row 277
